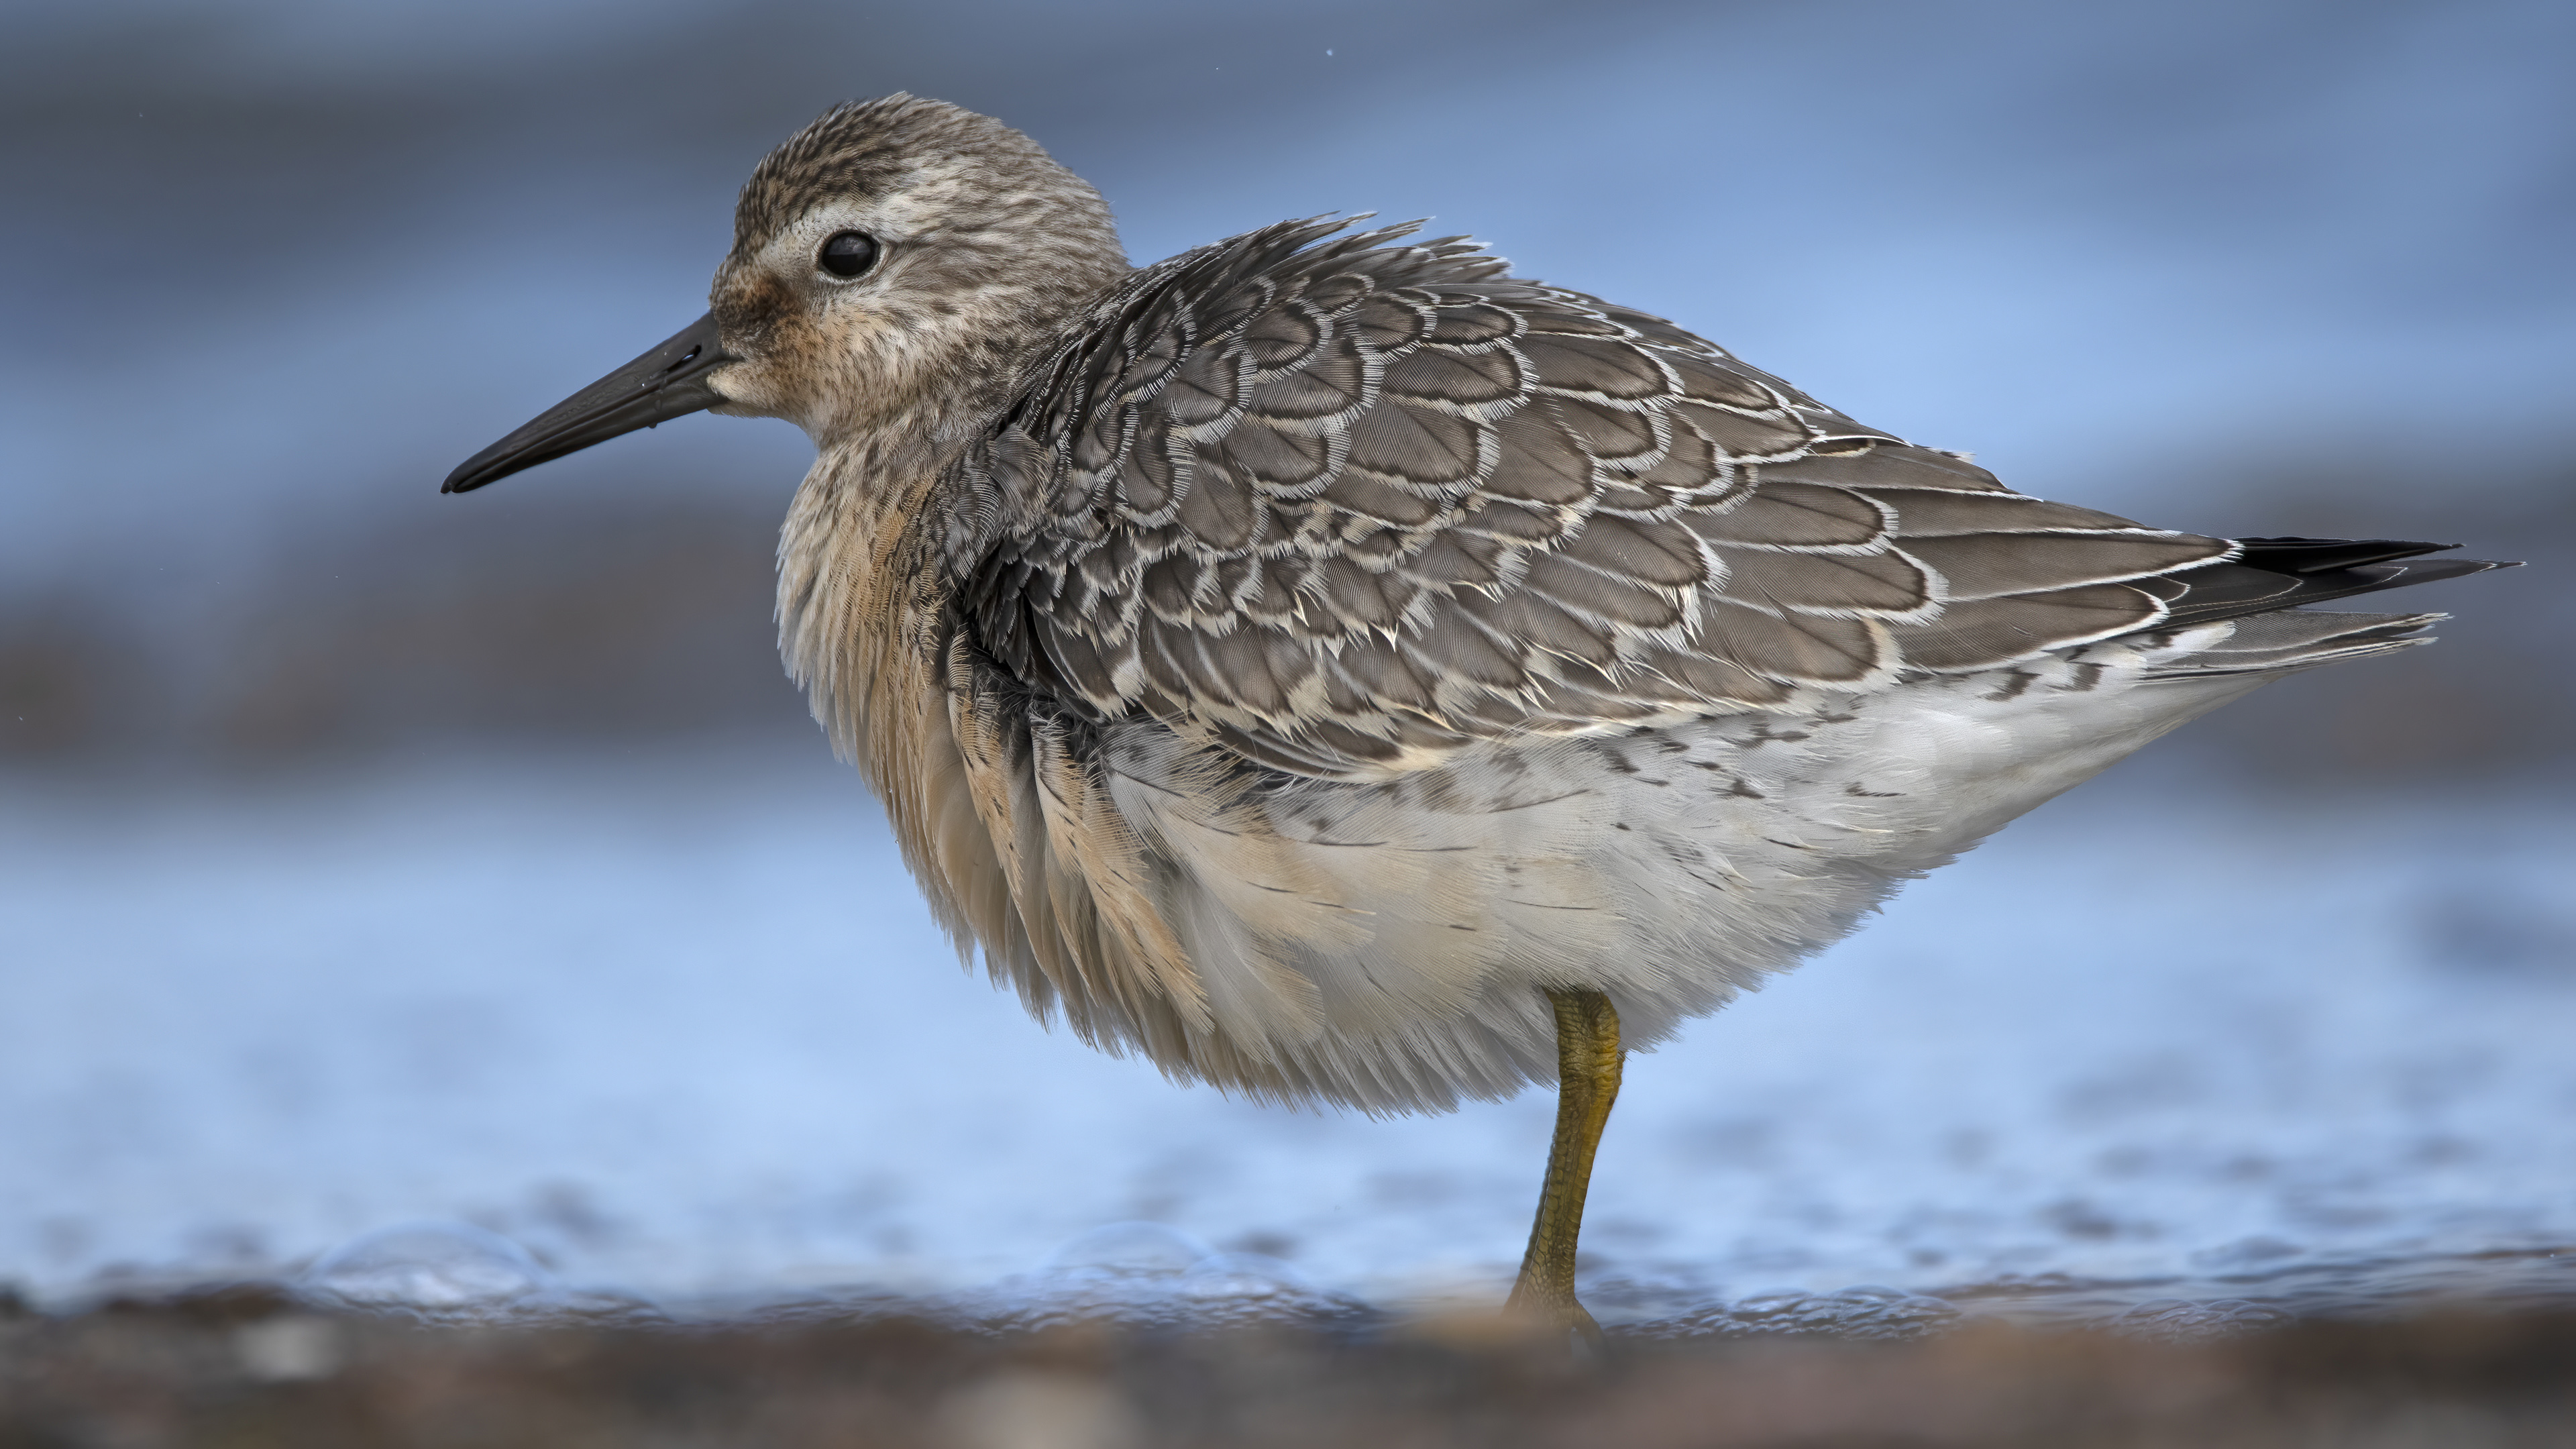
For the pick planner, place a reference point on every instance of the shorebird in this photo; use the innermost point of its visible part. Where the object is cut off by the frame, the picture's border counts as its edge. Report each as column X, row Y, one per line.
column 1343, row 672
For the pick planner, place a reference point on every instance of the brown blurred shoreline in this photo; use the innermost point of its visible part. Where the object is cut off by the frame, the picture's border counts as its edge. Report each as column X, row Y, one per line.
column 249, row 1367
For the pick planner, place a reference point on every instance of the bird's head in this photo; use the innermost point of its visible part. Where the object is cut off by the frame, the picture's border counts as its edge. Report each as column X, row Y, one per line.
column 894, row 265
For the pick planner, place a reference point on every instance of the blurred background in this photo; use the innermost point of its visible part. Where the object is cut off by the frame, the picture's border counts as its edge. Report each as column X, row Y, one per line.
column 369, row 855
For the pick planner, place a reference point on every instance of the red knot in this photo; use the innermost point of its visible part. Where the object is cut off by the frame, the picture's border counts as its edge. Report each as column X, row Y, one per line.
column 1341, row 671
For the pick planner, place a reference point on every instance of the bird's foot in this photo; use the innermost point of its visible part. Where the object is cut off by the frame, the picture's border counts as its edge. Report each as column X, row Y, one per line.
column 1553, row 1308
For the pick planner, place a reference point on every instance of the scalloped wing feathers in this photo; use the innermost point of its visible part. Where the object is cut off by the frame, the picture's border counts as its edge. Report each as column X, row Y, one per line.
column 1346, row 507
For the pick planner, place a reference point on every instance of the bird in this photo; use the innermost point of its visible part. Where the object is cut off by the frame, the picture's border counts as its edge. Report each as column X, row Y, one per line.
column 1345, row 673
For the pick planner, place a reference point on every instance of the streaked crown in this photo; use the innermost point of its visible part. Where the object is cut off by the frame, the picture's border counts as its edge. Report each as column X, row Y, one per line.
column 962, row 250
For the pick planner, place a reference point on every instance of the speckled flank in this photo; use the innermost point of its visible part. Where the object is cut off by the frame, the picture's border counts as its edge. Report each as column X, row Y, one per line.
column 1289, row 660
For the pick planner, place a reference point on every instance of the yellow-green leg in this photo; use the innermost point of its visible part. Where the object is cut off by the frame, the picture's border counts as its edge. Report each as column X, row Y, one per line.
column 1588, row 1055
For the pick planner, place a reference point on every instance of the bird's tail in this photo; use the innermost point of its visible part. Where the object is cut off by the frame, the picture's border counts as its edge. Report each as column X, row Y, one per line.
column 2244, row 616
column 2293, row 639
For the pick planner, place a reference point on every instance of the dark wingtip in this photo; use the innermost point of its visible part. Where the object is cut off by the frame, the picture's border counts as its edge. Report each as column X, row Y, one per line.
column 2295, row 555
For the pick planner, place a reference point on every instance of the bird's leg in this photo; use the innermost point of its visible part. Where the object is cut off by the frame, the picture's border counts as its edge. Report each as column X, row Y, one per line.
column 1588, row 1055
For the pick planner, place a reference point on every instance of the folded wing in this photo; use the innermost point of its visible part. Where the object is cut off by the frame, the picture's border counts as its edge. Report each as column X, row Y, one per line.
column 1349, row 505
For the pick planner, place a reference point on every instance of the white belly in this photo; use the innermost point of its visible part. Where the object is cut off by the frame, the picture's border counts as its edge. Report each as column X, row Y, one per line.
column 1382, row 944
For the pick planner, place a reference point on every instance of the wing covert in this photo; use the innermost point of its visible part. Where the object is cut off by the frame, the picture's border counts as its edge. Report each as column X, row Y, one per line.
column 1348, row 505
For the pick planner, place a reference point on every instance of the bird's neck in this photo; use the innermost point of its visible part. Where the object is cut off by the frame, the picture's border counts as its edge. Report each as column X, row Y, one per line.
column 863, row 611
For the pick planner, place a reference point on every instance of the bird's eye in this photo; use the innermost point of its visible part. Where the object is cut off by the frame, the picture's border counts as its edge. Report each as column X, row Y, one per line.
column 848, row 254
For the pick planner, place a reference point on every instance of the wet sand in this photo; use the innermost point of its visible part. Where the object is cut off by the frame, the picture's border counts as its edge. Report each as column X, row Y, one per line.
column 250, row 1366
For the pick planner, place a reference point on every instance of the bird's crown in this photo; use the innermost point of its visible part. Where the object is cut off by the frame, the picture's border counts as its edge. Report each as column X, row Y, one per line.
column 901, row 258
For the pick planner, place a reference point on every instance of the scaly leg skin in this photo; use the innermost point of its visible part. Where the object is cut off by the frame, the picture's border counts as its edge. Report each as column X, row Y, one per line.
column 1588, row 1056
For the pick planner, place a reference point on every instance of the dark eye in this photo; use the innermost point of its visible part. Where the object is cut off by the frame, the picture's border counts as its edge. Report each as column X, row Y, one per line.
column 848, row 254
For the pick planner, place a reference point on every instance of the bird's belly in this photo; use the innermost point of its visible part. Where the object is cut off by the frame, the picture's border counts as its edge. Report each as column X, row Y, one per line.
column 1380, row 943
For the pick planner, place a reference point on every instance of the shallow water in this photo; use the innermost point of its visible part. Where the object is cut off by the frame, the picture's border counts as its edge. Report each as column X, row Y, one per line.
column 676, row 1025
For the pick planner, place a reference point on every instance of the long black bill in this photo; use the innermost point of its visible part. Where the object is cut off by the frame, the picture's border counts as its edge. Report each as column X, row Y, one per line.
column 665, row 383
